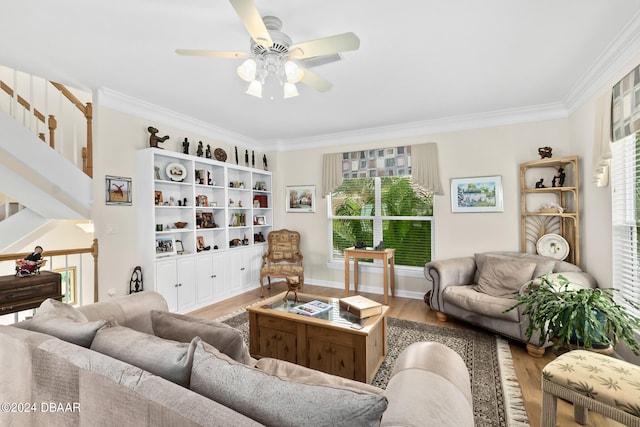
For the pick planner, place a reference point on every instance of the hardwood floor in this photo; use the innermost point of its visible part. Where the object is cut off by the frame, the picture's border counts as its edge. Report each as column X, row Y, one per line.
column 528, row 369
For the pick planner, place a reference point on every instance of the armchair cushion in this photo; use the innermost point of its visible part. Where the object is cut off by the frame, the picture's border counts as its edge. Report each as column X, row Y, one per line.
column 481, row 304
column 503, row 277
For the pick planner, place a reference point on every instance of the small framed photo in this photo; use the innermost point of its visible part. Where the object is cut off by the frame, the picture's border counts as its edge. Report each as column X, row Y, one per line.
column 179, row 247
column 68, row 281
column 158, row 197
column 261, row 220
column 301, row 198
column 478, row 194
column 165, row 246
column 118, row 190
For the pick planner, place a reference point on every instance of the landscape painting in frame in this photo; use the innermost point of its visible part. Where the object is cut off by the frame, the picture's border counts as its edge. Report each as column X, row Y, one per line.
column 118, row 190
column 479, row 194
column 301, row 198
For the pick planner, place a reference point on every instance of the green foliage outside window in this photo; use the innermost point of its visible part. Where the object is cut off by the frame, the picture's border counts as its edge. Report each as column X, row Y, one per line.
column 400, row 198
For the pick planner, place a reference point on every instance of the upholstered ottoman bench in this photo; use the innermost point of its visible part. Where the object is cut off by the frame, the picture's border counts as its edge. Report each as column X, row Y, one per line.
column 591, row 381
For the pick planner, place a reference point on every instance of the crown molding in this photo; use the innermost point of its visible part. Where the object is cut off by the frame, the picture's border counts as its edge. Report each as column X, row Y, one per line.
column 608, row 65
column 118, row 101
column 427, row 127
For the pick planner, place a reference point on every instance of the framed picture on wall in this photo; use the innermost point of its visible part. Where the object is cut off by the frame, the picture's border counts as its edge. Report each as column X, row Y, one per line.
column 68, row 282
column 301, row 198
column 478, row 194
column 118, row 190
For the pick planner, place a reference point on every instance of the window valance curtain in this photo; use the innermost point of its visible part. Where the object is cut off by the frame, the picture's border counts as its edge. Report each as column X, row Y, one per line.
column 602, row 140
column 424, row 168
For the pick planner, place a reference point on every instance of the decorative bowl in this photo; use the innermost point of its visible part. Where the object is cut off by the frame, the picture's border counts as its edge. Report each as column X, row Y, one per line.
column 180, row 224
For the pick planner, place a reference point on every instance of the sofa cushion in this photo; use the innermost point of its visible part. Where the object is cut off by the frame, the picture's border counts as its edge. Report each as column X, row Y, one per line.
column 276, row 401
column 181, row 328
column 503, row 277
column 302, row 374
column 168, row 359
column 63, row 321
column 483, row 305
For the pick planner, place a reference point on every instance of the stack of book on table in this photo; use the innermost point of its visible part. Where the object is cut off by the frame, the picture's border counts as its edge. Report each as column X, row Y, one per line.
column 360, row 306
column 312, row 308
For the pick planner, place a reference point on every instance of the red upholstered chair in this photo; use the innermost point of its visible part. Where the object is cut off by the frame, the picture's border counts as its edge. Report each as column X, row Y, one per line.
column 283, row 258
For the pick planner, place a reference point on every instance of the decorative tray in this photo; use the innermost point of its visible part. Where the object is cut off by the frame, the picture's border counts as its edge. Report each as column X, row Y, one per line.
column 176, row 172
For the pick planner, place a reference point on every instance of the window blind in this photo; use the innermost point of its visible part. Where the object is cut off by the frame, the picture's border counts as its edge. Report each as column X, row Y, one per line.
column 625, row 204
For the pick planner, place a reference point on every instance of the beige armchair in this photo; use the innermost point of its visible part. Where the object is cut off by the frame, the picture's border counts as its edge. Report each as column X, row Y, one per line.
column 282, row 259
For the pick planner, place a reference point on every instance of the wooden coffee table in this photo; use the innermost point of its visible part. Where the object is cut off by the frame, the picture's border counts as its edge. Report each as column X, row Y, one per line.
column 335, row 342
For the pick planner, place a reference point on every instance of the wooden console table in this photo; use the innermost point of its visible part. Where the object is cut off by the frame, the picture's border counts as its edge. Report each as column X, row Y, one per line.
column 23, row 293
column 388, row 263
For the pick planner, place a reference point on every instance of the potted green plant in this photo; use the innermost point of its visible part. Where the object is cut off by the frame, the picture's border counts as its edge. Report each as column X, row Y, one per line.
column 575, row 316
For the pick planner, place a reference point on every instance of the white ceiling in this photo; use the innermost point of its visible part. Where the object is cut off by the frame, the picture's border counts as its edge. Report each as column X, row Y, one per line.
column 420, row 61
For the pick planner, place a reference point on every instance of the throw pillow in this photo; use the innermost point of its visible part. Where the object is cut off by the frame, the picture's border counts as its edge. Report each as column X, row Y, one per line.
column 577, row 280
column 503, row 277
column 170, row 360
column 276, row 401
column 63, row 321
column 181, row 328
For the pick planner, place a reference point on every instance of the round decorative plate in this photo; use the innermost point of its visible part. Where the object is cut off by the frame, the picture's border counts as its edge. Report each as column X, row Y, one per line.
column 553, row 246
column 176, row 172
column 220, row 155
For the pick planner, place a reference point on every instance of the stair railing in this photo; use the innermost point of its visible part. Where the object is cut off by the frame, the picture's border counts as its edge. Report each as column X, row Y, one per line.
column 52, row 123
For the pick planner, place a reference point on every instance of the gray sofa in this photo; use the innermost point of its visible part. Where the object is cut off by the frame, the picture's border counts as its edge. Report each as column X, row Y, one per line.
column 111, row 363
column 457, row 292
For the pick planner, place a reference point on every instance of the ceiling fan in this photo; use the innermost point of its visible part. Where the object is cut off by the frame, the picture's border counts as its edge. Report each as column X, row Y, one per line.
column 272, row 53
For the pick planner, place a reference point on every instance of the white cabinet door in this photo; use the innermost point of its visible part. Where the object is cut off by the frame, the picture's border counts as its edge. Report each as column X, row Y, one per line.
column 204, row 278
column 219, row 276
column 186, row 283
column 167, row 282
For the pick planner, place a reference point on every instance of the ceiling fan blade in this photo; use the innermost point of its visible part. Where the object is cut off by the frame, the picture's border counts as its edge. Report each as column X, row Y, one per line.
column 325, row 46
column 252, row 21
column 315, row 81
column 215, row 53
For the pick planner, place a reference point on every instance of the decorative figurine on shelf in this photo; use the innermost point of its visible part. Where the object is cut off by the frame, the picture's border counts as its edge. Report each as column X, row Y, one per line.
column 561, row 177
column 540, row 184
column 154, row 139
column 246, row 158
column 264, row 162
column 31, row 263
column 253, row 159
column 544, row 152
column 236, row 155
column 185, row 146
column 208, row 152
column 553, row 181
column 184, row 202
column 200, row 150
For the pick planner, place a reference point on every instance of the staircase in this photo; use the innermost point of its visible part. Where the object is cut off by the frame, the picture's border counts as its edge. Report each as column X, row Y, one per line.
column 47, row 183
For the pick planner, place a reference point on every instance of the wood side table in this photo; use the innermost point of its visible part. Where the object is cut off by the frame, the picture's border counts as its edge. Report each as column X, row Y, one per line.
column 23, row 293
column 388, row 263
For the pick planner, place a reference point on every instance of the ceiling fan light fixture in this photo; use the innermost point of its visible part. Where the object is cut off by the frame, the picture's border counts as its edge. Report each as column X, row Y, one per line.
column 293, row 71
column 255, row 89
column 290, row 90
column 247, row 70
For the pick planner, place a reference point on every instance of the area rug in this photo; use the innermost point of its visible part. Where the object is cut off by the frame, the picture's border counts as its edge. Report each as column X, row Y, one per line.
column 497, row 397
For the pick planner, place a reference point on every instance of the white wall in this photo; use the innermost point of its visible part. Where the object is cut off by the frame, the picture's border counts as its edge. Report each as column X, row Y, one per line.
column 481, row 152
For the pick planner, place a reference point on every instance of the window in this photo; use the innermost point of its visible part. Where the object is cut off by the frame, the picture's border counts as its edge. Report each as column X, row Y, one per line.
column 390, row 209
column 625, row 203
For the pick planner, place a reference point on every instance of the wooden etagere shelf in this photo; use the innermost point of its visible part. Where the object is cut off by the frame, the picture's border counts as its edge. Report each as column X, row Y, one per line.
column 228, row 212
column 537, row 218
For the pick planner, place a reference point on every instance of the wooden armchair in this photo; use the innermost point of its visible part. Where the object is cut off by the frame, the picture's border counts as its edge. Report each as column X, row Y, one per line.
column 282, row 259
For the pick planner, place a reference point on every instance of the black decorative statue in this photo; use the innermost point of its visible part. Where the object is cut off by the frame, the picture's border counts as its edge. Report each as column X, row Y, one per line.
column 208, row 152
column 154, row 139
column 199, row 152
column 185, row 146
column 264, row 162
